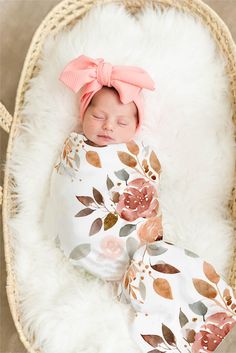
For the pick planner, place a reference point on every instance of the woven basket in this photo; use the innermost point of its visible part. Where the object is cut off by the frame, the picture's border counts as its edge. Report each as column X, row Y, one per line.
column 65, row 15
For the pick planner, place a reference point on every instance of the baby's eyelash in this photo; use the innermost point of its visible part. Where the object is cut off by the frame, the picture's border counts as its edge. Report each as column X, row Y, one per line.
column 97, row 117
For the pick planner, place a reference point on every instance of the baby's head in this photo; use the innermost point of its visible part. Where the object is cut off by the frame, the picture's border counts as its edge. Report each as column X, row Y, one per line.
column 111, row 102
column 107, row 120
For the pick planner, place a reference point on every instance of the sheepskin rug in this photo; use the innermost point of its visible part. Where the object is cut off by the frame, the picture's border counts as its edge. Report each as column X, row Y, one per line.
column 188, row 120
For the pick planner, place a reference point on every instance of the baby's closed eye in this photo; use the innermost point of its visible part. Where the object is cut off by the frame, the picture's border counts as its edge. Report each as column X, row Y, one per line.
column 98, row 117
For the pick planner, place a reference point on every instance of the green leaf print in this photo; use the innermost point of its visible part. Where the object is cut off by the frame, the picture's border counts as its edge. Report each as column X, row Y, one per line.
column 142, row 290
column 190, row 253
column 127, row 229
column 154, row 249
column 80, row 251
column 122, row 175
column 77, row 160
column 183, row 320
column 131, row 246
column 198, row 308
column 109, row 183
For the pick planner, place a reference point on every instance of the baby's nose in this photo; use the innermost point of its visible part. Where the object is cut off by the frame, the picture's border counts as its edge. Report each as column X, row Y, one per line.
column 108, row 125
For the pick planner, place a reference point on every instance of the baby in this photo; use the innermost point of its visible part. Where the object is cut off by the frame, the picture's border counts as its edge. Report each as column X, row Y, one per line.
column 104, row 188
column 106, row 214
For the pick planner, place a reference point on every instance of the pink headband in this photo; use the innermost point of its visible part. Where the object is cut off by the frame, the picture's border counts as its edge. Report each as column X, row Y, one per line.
column 93, row 74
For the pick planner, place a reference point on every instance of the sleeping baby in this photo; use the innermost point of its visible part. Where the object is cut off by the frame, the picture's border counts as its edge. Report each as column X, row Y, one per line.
column 105, row 184
column 104, row 195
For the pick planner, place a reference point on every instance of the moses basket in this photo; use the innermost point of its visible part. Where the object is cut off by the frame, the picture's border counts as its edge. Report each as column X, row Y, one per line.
column 65, row 15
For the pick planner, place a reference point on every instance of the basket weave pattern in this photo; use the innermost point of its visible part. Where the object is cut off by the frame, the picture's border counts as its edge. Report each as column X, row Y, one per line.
column 65, row 15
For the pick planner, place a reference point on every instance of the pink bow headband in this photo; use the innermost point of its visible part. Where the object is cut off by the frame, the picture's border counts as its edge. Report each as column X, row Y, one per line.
column 93, row 74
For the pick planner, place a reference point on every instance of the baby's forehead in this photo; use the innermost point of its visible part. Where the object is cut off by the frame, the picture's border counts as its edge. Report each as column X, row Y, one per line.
column 108, row 100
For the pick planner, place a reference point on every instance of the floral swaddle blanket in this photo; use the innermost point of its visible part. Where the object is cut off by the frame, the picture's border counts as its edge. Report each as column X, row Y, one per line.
column 107, row 218
column 103, row 198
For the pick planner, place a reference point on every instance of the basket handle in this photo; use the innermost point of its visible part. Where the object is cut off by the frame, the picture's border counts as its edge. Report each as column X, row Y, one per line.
column 1, row 195
column 5, row 119
column 5, row 123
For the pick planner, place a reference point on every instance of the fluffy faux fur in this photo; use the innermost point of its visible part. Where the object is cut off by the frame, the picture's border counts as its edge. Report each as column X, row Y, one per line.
column 188, row 120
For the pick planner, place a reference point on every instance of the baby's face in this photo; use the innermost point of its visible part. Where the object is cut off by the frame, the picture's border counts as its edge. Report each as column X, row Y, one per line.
column 107, row 120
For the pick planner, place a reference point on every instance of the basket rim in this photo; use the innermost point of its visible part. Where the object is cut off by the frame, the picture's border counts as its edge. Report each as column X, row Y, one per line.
column 194, row 7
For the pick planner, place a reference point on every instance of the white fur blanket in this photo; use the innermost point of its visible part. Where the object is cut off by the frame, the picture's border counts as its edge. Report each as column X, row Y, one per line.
column 189, row 122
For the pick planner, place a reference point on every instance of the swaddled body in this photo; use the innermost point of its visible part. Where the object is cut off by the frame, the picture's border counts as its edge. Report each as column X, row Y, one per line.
column 108, row 220
column 103, row 197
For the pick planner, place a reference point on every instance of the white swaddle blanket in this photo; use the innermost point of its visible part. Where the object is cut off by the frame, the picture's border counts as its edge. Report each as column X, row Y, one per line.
column 106, row 216
column 100, row 200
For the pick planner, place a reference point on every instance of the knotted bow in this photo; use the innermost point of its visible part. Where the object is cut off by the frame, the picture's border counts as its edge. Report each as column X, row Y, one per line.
column 92, row 74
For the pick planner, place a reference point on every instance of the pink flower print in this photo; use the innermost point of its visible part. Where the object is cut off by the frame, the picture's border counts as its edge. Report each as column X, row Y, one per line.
column 112, row 247
column 211, row 334
column 138, row 200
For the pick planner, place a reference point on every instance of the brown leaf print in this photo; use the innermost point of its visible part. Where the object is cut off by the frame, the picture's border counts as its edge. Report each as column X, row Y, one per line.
column 204, row 288
column 133, row 147
column 226, row 292
column 129, row 276
column 93, row 159
column 154, row 162
column 127, row 159
column 126, row 282
column 67, row 149
column 190, row 336
column 168, row 335
column 153, row 340
column 210, row 272
column 98, row 196
column 132, row 292
column 165, row 268
column 163, row 288
column 96, row 226
column 145, row 165
column 110, row 221
column 85, row 200
column 115, row 197
column 84, row 212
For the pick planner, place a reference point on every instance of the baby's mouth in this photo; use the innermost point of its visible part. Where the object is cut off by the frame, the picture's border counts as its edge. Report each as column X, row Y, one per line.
column 106, row 137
